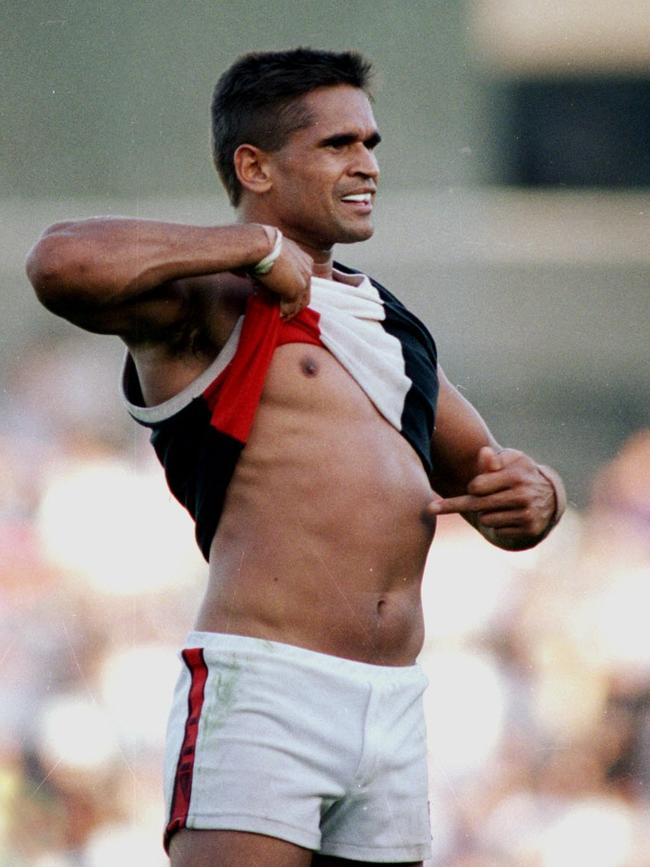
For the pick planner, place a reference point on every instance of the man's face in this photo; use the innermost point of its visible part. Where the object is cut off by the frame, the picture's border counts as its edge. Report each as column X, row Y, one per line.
column 325, row 176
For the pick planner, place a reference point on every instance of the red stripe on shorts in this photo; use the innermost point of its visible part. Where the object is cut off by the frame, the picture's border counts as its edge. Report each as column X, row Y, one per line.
column 180, row 806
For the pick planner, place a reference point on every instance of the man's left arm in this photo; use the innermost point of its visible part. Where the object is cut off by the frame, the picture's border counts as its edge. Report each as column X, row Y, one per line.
column 509, row 498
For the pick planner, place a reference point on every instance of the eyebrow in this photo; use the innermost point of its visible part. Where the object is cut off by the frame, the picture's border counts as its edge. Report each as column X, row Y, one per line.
column 340, row 139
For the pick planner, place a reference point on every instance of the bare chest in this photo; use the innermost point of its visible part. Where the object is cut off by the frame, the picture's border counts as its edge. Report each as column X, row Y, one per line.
column 307, row 379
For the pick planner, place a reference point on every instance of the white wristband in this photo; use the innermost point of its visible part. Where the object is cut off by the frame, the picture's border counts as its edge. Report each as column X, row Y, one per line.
column 265, row 264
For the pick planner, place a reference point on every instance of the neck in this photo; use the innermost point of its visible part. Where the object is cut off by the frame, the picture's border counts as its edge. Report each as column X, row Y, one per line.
column 321, row 255
column 322, row 266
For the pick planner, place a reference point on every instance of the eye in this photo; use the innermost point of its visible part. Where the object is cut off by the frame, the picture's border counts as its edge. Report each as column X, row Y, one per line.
column 372, row 142
column 339, row 142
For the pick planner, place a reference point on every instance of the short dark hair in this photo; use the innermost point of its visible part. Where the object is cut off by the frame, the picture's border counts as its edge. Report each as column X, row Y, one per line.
column 257, row 102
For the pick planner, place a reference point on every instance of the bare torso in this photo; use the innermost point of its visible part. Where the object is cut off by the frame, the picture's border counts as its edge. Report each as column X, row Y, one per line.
column 323, row 537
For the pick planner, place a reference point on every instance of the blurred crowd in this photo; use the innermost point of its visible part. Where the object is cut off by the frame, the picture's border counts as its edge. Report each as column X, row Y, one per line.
column 538, row 708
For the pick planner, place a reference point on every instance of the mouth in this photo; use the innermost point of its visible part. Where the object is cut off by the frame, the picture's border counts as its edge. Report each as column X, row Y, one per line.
column 363, row 198
column 361, row 202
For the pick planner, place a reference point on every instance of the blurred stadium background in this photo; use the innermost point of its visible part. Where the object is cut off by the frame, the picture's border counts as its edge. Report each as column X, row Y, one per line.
column 514, row 218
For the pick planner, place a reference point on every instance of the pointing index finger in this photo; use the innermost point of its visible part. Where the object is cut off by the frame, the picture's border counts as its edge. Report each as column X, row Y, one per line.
column 456, row 505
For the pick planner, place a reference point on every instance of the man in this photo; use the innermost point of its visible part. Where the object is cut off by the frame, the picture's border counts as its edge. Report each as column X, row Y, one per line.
column 292, row 404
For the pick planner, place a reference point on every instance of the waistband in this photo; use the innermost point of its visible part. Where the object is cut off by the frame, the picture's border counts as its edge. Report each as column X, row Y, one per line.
column 262, row 648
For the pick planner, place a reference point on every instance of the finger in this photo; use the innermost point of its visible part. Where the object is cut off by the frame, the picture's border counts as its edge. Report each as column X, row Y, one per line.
column 511, row 475
column 511, row 518
column 490, row 483
column 455, row 505
column 291, row 307
column 524, row 520
column 505, row 500
column 489, row 460
column 510, row 532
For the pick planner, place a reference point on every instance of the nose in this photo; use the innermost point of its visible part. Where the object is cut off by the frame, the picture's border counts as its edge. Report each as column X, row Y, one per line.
column 365, row 162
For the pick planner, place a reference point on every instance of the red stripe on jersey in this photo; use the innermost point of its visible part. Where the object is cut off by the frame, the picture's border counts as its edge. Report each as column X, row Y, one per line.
column 180, row 805
column 235, row 395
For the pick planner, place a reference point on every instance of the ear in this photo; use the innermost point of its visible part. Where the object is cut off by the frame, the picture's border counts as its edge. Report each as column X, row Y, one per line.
column 252, row 168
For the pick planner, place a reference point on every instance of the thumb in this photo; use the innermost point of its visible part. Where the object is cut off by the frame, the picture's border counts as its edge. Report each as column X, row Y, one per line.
column 489, row 460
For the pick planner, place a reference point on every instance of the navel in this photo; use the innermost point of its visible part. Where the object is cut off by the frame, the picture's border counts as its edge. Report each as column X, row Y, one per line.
column 309, row 365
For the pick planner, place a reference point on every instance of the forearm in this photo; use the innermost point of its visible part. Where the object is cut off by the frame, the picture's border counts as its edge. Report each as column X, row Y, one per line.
column 111, row 260
column 511, row 500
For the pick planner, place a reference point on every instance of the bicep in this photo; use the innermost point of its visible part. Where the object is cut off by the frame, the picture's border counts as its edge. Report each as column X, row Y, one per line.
column 460, row 432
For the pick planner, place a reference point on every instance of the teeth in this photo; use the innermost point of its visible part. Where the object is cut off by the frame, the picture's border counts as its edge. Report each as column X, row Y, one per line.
column 357, row 197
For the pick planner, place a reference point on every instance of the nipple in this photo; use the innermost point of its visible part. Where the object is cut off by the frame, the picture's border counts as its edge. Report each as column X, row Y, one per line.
column 309, row 366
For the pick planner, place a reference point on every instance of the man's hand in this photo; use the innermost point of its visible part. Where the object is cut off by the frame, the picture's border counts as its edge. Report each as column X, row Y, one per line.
column 511, row 500
column 289, row 278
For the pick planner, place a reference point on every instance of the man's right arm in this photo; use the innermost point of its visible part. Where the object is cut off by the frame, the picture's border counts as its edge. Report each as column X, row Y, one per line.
column 117, row 274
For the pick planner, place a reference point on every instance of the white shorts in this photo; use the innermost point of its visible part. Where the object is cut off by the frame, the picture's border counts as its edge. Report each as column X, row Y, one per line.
column 324, row 752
